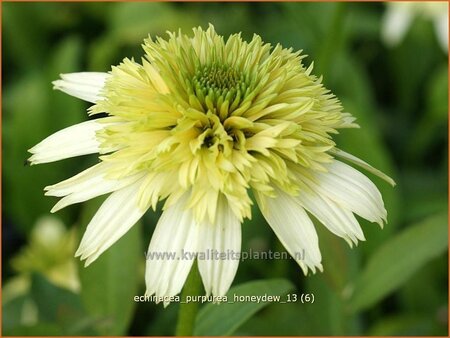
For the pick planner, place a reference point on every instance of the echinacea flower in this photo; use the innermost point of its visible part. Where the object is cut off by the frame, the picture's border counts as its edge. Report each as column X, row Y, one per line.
column 201, row 123
column 49, row 252
column 400, row 15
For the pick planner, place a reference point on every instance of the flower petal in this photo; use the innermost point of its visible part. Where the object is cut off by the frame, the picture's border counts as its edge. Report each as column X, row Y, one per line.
column 172, row 251
column 336, row 218
column 396, row 22
column 352, row 190
column 294, row 229
column 75, row 140
column 84, row 85
column 88, row 184
column 441, row 28
column 113, row 219
column 223, row 240
column 355, row 160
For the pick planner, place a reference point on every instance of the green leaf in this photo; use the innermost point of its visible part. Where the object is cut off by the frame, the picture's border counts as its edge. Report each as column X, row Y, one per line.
column 432, row 125
column 402, row 325
column 59, row 306
column 13, row 312
column 223, row 319
column 437, row 97
column 40, row 329
column 23, row 36
column 131, row 22
column 292, row 320
column 338, row 259
column 109, row 284
column 433, row 192
column 394, row 263
column 33, row 119
column 54, row 303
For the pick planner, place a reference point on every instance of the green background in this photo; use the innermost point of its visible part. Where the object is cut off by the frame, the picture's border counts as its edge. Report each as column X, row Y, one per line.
column 395, row 283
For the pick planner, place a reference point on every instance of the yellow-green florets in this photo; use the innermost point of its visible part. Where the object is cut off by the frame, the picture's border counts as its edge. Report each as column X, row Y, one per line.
column 216, row 118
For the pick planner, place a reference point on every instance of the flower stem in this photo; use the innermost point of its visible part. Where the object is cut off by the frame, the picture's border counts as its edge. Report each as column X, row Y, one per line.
column 188, row 311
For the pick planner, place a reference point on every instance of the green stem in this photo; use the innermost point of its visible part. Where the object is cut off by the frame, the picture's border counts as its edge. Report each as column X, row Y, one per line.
column 188, row 311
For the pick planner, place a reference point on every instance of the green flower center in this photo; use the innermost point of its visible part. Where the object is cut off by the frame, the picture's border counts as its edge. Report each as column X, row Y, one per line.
column 215, row 85
column 218, row 78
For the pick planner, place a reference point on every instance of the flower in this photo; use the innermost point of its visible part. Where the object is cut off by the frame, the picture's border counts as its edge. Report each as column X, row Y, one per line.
column 50, row 252
column 201, row 123
column 400, row 15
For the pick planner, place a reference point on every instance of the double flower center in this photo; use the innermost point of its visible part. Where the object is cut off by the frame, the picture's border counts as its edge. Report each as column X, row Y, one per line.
column 220, row 88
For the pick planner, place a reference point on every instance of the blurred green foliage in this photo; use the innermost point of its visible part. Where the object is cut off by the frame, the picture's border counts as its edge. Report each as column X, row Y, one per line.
column 393, row 284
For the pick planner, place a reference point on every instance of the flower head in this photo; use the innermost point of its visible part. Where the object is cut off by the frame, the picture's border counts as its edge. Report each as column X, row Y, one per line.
column 50, row 252
column 200, row 123
column 400, row 15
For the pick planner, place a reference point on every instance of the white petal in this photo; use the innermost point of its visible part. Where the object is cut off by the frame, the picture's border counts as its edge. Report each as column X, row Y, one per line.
column 86, row 185
column 362, row 164
column 220, row 243
column 294, row 229
column 349, row 121
column 396, row 22
column 77, row 182
column 336, row 218
column 352, row 190
column 167, row 267
column 113, row 219
column 441, row 28
column 75, row 140
column 85, row 85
